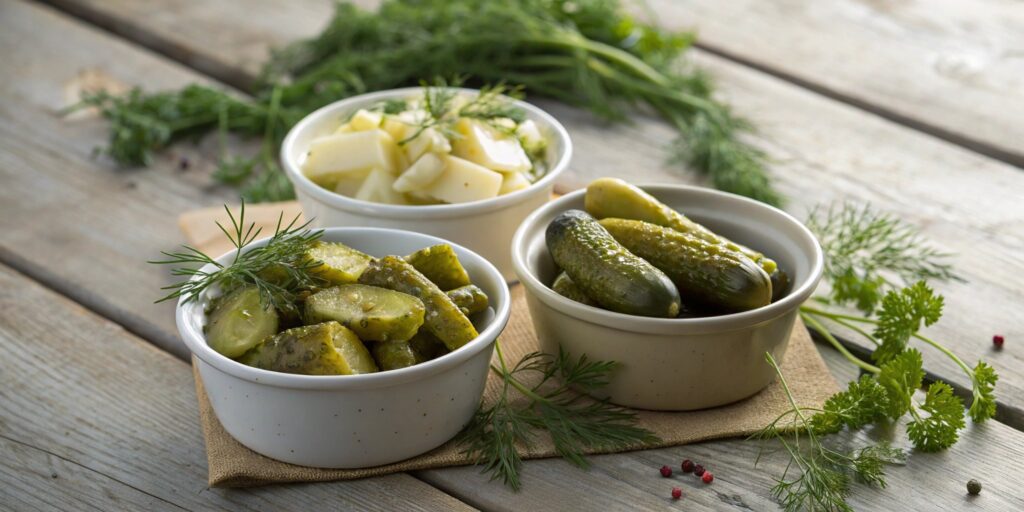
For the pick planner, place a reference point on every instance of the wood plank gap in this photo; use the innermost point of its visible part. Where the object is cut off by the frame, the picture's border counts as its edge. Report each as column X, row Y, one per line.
column 128, row 321
column 163, row 46
column 89, row 469
column 973, row 144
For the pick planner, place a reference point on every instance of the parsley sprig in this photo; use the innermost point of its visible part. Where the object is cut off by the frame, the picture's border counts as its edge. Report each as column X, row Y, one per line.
column 539, row 397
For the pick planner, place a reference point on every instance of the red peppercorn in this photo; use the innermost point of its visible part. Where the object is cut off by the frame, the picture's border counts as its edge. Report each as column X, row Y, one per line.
column 707, row 477
column 687, row 466
column 677, row 493
column 998, row 340
column 698, row 470
column 666, row 471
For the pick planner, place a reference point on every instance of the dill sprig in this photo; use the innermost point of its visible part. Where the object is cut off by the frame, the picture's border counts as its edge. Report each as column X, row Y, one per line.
column 489, row 106
column 278, row 269
column 586, row 53
column 870, row 252
column 575, row 423
column 821, row 474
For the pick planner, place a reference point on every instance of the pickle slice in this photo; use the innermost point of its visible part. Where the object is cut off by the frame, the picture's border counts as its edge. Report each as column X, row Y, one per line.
column 322, row 349
column 240, row 321
column 373, row 313
column 470, row 298
column 440, row 264
column 426, row 346
column 340, row 264
column 393, row 354
column 443, row 318
column 565, row 287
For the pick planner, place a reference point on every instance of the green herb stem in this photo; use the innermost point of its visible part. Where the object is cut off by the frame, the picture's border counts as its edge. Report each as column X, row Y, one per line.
column 817, row 326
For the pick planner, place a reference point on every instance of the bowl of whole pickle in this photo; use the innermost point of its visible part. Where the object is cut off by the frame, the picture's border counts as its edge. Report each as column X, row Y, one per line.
column 362, row 347
column 685, row 288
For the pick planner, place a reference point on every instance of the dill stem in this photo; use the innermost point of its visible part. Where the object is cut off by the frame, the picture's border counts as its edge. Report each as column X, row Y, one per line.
column 503, row 371
column 817, row 326
column 833, row 315
column 785, row 386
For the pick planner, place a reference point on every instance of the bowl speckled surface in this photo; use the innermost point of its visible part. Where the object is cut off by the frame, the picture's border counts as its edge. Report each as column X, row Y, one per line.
column 484, row 226
column 678, row 363
column 353, row 421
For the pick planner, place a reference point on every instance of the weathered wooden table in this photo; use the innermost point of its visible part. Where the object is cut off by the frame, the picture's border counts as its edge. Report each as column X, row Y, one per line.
column 917, row 107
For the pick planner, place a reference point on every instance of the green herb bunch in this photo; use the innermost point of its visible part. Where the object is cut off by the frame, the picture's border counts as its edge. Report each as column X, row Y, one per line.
column 539, row 397
column 868, row 255
column 586, row 53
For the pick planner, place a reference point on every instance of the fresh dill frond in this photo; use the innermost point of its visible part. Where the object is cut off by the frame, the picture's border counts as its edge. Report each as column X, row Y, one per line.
column 818, row 477
column 545, row 403
column 868, row 253
column 277, row 269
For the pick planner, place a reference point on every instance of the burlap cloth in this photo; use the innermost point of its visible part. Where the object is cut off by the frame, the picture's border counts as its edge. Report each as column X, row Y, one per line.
column 234, row 465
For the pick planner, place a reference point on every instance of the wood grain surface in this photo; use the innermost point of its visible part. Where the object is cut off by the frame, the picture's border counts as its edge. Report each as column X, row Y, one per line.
column 823, row 151
column 94, row 417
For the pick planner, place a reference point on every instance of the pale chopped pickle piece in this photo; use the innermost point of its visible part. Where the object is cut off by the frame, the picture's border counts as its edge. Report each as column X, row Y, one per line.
column 365, row 120
column 463, row 181
column 345, row 128
column 420, row 174
column 419, row 198
column 349, row 183
column 402, row 125
column 513, row 182
column 483, row 145
column 322, row 349
column 333, row 157
column 378, row 188
column 428, row 140
column 340, row 264
column 373, row 313
column 530, row 137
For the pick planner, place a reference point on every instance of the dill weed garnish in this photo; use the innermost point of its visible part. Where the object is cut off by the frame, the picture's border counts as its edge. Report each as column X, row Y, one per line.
column 586, row 53
column 279, row 269
column 537, row 399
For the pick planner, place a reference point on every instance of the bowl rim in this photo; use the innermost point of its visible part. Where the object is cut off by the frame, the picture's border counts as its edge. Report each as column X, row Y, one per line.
column 671, row 326
column 196, row 341
column 342, row 202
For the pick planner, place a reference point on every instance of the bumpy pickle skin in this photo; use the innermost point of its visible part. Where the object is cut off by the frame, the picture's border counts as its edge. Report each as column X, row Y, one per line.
column 443, row 318
column 426, row 346
column 239, row 321
column 392, row 355
column 470, row 299
column 440, row 265
column 327, row 348
column 373, row 313
column 340, row 264
column 709, row 274
column 615, row 198
column 606, row 272
column 564, row 286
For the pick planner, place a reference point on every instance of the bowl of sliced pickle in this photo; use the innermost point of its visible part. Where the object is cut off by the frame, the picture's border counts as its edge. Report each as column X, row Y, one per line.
column 462, row 164
column 380, row 354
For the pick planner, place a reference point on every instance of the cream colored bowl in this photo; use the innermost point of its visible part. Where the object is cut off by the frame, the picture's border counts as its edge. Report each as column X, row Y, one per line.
column 353, row 421
column 483, row 226
column 676, row 364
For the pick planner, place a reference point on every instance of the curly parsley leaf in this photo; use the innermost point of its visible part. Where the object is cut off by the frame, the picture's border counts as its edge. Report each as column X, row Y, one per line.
column 983, row 404
column 940, row 429
column 901, row 377
column 901, row 316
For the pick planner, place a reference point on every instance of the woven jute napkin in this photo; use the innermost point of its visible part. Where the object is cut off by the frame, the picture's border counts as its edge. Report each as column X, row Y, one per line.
column 234, row 465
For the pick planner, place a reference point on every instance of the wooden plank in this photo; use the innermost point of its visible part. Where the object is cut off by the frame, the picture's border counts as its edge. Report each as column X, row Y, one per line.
column 92, row 416
column 947, row 67
column 990, row 453
column 823, row 151
column 68, row 219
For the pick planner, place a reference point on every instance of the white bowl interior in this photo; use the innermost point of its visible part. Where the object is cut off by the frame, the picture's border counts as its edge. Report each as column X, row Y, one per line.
column 376, row 242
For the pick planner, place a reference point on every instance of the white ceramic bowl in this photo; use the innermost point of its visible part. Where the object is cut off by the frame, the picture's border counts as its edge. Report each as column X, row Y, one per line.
column 353, row 421
column 484, row 226
column 676, row 364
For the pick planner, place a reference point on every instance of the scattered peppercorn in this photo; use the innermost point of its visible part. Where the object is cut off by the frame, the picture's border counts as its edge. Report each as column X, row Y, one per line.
column 666, row 471
column 677, row 493
column 707, row 477
column 973, row 487
column 183, row 164
column 698, row 470
column 687, row 466
column 998, row 340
